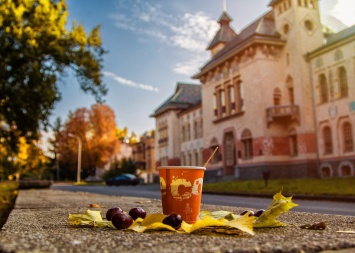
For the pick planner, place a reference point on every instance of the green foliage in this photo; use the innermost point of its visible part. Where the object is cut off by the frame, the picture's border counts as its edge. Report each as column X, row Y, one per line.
column 311, row 186
column 36, row 49
column 128, row 166
column 8, row 195
column 120, row 167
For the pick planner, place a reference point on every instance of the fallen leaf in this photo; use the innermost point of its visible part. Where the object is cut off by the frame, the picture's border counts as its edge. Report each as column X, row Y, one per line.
column 315, row 226
column 278, row 206
column 95, row 206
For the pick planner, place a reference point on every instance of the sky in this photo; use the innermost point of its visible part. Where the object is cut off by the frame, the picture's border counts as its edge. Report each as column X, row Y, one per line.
column 154, row 44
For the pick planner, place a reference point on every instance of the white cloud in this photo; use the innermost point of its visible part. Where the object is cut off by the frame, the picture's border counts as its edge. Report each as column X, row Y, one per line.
column 189, row 33
column 190, row 65
column 130, row 83
column 344, row 10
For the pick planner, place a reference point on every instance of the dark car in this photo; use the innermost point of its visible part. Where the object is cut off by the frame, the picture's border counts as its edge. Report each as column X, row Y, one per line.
column 123, row 179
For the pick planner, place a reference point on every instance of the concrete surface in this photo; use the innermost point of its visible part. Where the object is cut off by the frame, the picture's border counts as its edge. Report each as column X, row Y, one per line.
column 39, row 223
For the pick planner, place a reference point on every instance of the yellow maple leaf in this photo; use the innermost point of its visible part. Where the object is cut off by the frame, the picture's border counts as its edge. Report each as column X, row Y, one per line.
column 278, row 206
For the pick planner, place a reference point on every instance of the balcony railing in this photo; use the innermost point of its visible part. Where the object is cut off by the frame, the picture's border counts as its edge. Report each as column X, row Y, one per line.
column 283, row 114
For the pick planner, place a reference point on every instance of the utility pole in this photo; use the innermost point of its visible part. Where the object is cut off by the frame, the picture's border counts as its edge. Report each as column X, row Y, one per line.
column 79, row 154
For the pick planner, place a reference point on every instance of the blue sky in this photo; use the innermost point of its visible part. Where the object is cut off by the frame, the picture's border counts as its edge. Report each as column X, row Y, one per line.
column 153, row 44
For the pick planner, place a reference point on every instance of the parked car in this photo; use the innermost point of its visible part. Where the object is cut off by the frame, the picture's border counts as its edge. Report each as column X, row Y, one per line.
column 123, row 179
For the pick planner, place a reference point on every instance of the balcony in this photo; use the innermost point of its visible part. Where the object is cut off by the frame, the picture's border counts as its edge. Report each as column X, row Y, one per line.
column 282, row 114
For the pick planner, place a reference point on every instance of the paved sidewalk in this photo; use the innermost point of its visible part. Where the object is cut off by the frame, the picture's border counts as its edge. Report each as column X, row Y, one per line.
column 39, row 223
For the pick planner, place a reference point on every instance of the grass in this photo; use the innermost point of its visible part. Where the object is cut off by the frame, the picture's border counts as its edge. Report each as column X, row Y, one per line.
column 8, row 195
column 307, row 186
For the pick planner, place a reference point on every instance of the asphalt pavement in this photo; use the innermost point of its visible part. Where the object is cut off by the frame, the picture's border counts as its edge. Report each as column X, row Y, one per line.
column 39, row 223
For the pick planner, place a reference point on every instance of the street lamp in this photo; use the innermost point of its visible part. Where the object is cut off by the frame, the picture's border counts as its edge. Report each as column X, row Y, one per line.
column 79, row 154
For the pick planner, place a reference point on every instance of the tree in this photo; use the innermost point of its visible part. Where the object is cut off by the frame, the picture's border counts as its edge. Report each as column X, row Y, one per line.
column 54, row 143
column 97, row 130
column 36, row 50
column 29, row 160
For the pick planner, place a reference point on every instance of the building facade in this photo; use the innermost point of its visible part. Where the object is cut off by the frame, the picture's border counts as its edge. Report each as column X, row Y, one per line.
column 179, row 127
column 275, row 98
column 332, row 67
column 143, row 154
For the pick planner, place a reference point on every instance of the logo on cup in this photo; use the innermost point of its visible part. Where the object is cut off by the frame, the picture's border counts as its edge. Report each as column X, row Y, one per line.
column 182, row 189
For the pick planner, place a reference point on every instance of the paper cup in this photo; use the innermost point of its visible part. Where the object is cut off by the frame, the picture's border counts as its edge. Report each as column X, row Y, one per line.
column 181, row 190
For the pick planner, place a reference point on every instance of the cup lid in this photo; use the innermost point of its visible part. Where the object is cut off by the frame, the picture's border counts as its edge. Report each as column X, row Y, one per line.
column 182, row 167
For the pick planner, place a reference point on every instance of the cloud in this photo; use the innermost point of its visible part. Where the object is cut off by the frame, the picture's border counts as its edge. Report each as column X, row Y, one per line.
column 189, row 33
column 130, row 83
column 344, row 10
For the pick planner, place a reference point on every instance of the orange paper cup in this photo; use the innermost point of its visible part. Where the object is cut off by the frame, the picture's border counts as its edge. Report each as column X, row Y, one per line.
column 181, row 190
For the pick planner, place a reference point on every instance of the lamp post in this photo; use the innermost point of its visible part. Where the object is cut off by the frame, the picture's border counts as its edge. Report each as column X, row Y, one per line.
column 79, row 154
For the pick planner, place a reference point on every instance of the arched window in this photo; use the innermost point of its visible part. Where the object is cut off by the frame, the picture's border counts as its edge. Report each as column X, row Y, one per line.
column 247, row 143
column 277, row 96
column 292, row 135
column 216, row 158
column 338, row 55
column 323, row 89
column 348, row 137
column 291, row 95
column 343, row 83
column 328, row 143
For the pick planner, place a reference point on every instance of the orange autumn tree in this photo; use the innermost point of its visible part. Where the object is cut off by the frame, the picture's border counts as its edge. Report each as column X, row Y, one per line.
column 97, row 130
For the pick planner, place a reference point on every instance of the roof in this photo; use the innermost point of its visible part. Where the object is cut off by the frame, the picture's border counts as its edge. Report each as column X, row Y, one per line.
column 335, row 37
column 186, row 96
column 273, row 2
column 332, row 39
column 263, row 28
column 225, row 33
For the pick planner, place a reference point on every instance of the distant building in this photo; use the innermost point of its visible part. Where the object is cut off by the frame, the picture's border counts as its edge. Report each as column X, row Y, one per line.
column 179, row 127
column 275, row 98
column 143, row 154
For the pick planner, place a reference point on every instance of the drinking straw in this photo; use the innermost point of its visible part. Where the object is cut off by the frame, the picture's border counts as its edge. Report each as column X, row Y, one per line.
column 209, row 159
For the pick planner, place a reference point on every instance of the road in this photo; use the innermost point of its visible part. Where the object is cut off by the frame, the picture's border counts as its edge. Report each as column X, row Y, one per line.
column 153, row 192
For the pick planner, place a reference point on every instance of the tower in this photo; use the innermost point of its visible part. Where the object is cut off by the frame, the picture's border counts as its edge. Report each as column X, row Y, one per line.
column 298, row 22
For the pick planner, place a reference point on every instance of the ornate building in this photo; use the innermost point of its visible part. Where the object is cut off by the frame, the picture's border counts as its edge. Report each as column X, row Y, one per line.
column 276, row 98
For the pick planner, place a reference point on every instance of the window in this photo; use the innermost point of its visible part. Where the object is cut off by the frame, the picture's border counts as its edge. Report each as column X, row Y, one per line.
column 309, row 25
column 239, row 98
column 277, row 96
column 163, row 133
column 293, row 142
column 326, row 171
column 229, row 150
column 223, row 103
column 188, row 134
column 347, row 137
column 343, row 83
column 215, row 157
column 183, row 133
column 215, row 110
column 323, row 89
column 331, row 86
column 183, row 159
column 197, row 160
column 289, row 85
column 328, row 143
column 338, row 55
column 231, row 99
column 247, row 143
column 345, row 171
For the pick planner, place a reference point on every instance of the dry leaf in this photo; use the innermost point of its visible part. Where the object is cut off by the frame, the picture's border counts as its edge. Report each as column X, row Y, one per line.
column 95, row 206
column 278, row 206
column 315, row 226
